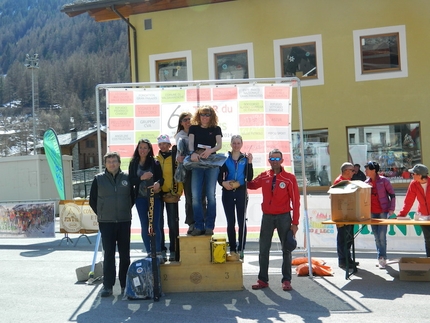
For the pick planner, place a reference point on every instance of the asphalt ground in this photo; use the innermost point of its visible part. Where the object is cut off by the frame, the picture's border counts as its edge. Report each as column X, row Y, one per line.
column 39, row 284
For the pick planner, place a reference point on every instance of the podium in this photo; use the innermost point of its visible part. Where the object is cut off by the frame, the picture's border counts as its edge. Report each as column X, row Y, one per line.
column 195, row 271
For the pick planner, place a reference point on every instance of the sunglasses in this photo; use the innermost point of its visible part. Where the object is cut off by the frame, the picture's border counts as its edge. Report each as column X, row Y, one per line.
column 186, row 119
column 275, row 158
column 205, row 114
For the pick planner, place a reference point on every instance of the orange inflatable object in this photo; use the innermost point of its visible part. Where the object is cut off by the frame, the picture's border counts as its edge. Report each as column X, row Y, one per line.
column 303, row 260
column 317, row 270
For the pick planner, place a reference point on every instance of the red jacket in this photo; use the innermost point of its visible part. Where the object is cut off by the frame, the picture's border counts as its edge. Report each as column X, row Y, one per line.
column 284, row 198
column 415, row 191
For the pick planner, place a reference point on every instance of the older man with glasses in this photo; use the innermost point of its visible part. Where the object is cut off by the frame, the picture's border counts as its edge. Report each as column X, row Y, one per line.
column 418, row 189
column 281, row 211
column 344, row 231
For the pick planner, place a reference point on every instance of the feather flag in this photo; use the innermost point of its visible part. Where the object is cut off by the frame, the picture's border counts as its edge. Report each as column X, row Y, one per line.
column 53, row 154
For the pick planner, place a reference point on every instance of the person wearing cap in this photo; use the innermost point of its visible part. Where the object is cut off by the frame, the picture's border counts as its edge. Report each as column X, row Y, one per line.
column 281, row 211
column 358, row 174
column 343, row 231
column 171, row 192
column 418, row 189
column 382, row 205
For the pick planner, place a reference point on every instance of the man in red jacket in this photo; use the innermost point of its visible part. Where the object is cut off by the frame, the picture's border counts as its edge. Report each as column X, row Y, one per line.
column 281, row 210
column 418, row 189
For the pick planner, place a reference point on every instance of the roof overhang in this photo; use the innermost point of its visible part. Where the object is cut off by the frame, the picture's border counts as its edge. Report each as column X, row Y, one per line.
column 103, row 10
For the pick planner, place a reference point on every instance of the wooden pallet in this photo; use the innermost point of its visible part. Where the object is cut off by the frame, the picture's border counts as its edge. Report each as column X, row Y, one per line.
column 195, row 271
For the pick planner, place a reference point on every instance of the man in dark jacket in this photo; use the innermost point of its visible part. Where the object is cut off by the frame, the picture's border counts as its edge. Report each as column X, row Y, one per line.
column 358, row 174
column 111, row 198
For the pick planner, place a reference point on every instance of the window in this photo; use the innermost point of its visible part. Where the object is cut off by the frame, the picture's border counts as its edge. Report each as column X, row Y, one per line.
column 317, row 157
column 380, row 53
column 300, row 57
column 231, row 62
column 231, row 65
column 171, row 70
column 396, row 147
column 90, row 144
column 170, row 67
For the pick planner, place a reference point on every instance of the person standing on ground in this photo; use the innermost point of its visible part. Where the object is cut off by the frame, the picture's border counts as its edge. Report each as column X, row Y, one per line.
column 358, row 174
column 171, row 192
column 418, row 189
column 146, row 174
column 323, row 177
column 343, row 231
column 205, row 138
column 281, row 197
column 111, row 199
column 236, row 171
column 382, row 205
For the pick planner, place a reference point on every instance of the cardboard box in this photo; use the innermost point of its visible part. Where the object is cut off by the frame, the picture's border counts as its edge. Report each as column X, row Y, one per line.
column 350, row 201
column 414, row 269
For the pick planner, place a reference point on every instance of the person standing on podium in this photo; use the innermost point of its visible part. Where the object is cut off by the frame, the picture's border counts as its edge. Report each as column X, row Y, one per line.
column 344, row 255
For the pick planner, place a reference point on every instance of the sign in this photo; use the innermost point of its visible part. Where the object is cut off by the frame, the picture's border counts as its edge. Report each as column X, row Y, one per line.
column 77, row 217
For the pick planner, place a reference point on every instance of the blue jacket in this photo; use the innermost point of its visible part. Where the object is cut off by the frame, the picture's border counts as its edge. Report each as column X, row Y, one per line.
column 229, row 171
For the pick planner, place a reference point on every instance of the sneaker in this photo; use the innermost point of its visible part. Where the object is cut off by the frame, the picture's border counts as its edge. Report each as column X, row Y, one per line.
column 164, row 255
column 233, row 256
column 197, row 232
column 160, row 258
column 286, row 286
column 106, row 292
column 172, row 256
column 209, row 232
column 260, row 285
column 190, row 228
column 382, row 263
column 241, row 255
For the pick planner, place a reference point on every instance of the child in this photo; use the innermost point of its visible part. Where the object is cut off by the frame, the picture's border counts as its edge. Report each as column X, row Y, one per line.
column 171, row 192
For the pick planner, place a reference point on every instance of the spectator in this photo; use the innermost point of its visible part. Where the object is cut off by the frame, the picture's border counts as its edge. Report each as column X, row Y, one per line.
column 345, row 231
column 358, row 174
column 382, row 205
column 418, row 189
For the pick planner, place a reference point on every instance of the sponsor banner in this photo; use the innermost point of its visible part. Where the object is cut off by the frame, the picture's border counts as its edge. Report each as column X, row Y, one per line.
column 27, row 220
column 77, row 217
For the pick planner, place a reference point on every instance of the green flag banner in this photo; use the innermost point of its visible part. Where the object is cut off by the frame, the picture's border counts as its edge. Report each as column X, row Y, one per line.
column 53, row 154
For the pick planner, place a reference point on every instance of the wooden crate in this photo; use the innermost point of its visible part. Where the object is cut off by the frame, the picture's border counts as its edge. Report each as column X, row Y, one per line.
column 196, row 273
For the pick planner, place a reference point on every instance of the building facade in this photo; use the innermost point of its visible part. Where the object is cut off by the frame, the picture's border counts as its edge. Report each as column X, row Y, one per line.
column 362, row 66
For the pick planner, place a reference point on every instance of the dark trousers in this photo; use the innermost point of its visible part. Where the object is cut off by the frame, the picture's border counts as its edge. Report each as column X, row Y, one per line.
column 426, row 232
column 113, row 235
column 172, row 222
column 282, row 224
column 344, row 232
column 234, row 203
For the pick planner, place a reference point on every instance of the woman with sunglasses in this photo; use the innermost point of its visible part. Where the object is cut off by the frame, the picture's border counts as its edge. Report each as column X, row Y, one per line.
column 382, row 205
column 205, row 138
column 145, row 173
column 236, row 171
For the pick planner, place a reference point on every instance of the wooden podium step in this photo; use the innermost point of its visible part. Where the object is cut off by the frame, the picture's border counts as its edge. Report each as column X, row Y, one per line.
column 195, row 271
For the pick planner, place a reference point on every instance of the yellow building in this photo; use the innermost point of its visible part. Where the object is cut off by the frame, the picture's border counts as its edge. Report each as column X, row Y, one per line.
column 362, row 66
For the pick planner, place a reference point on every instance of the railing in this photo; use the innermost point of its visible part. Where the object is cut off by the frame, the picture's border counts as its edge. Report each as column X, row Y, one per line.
column 82, row 180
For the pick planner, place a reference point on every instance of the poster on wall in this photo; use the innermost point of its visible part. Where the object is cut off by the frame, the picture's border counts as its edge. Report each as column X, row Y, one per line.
column 27, row 220
column 260, row 113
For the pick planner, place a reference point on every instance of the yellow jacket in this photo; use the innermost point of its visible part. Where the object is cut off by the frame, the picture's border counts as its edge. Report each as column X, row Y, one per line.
column 166, row 166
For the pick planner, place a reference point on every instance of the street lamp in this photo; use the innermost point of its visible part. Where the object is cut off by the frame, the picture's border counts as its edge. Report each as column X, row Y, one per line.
column 32, row 63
